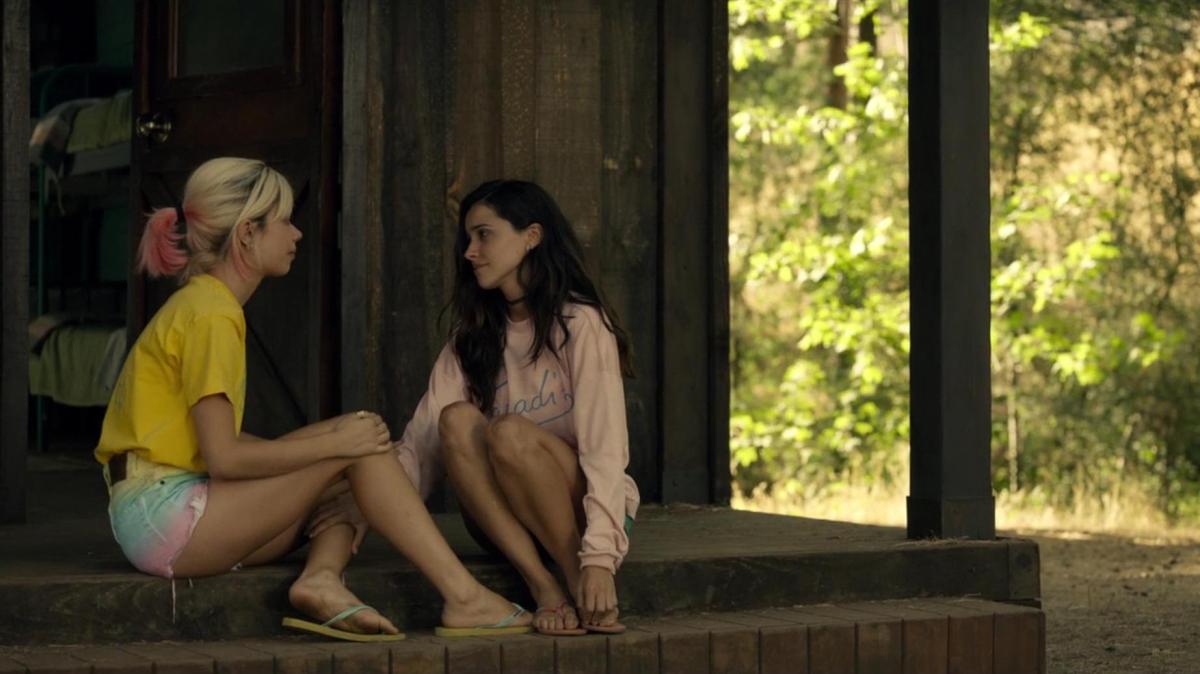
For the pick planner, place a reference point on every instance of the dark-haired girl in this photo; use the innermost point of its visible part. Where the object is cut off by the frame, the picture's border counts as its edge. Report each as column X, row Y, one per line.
column 527, row 404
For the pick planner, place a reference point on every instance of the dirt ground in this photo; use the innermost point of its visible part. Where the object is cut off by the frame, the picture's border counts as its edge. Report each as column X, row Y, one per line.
column 1120, row 604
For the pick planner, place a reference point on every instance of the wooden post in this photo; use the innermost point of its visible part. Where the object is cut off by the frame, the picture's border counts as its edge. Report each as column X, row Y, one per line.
column 950, row 489
column 694, row 291
column 14, row 253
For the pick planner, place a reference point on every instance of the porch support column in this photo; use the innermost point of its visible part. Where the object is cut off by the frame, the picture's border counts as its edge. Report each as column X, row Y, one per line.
column 693, row 287
column 14, row 251
column 950, row 492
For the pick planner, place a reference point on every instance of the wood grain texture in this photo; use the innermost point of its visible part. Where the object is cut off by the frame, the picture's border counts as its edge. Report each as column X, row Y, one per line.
column 364, row 122
column 518, row 87
column 418, row 656
column 416, row 239
column 14, row 251
column 581, row 655
column 627, row 251
column 567, row 149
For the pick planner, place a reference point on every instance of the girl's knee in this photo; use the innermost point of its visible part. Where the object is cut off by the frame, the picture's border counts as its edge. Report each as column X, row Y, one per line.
column 458, row 420
column 508, row 429
column 508, row 438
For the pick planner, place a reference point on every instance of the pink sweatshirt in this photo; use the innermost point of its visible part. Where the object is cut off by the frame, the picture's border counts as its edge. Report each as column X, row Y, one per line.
column 580, row 399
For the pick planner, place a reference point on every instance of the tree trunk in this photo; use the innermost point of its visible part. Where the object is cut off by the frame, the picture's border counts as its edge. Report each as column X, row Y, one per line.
column 1014, row 431
column 839, row 41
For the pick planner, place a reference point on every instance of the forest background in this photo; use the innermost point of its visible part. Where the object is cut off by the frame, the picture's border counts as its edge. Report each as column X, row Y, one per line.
column 1095, row 301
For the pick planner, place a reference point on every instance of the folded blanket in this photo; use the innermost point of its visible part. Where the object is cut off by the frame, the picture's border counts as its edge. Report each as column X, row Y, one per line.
column 78, row 364
column 102, row 124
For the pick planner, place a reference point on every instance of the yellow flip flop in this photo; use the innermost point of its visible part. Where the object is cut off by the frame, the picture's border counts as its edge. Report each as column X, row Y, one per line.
column 326, row 629
column 505, row 626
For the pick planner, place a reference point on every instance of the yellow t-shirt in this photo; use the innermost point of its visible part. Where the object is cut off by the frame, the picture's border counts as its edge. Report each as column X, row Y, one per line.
column 195, row 346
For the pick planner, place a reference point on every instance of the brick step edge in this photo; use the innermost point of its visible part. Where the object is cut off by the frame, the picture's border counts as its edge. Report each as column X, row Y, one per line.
column 927, row 635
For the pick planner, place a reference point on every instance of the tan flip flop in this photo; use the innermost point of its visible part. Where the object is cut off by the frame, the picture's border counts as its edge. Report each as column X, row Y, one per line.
column 326, row 628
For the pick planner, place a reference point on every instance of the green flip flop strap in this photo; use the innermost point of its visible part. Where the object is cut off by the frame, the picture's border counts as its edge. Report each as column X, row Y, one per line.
column 508, row 620
column 344, row 614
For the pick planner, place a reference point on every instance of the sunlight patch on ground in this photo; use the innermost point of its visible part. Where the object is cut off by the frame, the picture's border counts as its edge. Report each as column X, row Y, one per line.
column 1022, row 513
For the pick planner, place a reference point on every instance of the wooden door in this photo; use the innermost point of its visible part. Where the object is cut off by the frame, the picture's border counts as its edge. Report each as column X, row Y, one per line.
column 258, row 79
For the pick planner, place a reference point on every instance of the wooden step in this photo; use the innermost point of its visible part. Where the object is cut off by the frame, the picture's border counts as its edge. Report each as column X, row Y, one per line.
column 918, row 636
column 67, row 583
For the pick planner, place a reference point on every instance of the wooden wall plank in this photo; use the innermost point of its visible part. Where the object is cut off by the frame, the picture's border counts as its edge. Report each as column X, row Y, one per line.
column 326, row 188
column 365, row 121
column 14, row 251
column 416, row 237
column 628, row 246
column 474, row 147
column 518, row 87
column 567, row 151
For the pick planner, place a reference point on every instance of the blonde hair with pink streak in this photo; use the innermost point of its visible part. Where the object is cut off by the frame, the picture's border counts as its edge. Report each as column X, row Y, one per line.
column 221, row 194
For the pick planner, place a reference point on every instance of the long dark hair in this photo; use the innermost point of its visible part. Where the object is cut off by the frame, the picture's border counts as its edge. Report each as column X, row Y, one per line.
column 552, row 274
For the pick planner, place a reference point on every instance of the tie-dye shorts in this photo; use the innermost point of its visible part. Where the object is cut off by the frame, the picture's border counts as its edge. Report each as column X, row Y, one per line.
column 153, row 515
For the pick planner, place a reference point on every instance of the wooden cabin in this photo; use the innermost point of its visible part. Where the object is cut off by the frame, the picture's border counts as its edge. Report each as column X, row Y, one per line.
column 385, row 114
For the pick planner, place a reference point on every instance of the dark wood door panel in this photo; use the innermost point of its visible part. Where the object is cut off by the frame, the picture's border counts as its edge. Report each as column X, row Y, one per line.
column 218, row 47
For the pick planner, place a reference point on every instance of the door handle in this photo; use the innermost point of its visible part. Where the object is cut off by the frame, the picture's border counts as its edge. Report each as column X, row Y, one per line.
column 154, row 126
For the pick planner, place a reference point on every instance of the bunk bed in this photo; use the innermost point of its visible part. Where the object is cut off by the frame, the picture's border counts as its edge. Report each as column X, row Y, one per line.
column 79, row 151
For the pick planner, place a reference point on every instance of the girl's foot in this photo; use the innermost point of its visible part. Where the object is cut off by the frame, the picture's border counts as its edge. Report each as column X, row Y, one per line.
column 480, row 607
column 554, row 610
column 321, row 595
column 558, row 621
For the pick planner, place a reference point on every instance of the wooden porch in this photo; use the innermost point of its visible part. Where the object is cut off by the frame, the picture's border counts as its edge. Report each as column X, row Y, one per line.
column 63, row 579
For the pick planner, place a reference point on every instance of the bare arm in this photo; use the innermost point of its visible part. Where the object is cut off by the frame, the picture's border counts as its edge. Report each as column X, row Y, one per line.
column 308, row 431
column 232, row 457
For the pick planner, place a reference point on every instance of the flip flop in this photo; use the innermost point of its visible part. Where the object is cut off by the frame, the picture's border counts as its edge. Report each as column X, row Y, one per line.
column 505, row 626
column 560, row 611
column 615, row 628
column 326, row 629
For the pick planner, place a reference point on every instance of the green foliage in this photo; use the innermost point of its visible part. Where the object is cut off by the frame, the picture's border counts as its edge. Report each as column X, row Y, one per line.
column 819, row 248
column 1095, row 184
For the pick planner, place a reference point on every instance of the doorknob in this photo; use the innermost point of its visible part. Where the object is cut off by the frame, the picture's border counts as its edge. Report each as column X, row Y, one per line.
column 155, row 126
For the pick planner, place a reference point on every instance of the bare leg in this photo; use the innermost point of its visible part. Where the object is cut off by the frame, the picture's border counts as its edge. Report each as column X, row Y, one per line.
column 224, row 535
column 543, row 494
column 462, row 428
column 542, row 482
column 394, row 508
column 319, row 591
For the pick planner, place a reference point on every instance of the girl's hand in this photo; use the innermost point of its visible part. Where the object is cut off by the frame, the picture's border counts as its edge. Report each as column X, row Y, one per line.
column 362, row 434
column 338, row 506
column 597, row 596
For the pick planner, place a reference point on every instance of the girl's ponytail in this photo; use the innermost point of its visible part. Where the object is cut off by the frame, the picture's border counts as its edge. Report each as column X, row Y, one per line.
column 159, row 253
